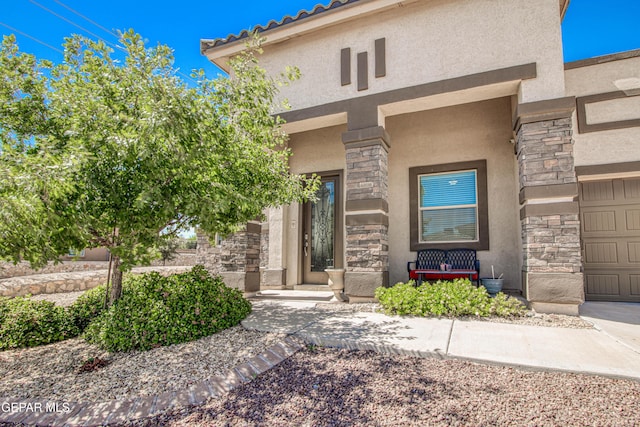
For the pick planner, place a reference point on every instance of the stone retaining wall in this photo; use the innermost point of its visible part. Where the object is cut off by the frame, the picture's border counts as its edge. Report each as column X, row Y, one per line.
column 8, row 269
column 68, row 282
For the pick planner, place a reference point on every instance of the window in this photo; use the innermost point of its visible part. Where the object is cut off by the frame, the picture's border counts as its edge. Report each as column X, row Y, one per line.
column 76, row 253
column 449, row 206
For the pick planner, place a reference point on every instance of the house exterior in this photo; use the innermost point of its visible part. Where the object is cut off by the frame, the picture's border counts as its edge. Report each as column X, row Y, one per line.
column 449, row 124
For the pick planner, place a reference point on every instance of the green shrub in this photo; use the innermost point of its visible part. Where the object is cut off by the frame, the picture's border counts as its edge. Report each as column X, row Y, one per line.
column 28, row 323
column 157, row 311
column 446, row 298
column 88, row 306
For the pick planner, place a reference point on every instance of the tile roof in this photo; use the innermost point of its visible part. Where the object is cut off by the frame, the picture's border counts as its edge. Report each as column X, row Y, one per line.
column 303, row 14
column 288, row 19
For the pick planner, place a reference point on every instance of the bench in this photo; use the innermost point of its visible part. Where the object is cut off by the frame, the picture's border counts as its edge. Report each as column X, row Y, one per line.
column 439, row 264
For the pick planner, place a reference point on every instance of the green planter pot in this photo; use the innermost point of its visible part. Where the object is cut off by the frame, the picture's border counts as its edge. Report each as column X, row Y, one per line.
column 493, row 286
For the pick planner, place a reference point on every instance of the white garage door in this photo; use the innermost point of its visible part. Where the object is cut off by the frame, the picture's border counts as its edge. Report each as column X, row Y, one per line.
column 610, row 221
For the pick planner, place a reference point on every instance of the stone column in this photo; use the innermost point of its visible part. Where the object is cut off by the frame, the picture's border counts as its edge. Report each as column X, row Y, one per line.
column 552, row 263
column 237, row 259
column 207, row 255
column 367, row 220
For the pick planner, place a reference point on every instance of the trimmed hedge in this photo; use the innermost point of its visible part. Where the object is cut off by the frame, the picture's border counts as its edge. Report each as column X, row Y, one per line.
column 157, row 311
column 28, row 323
column 446, row 298
column 88, row 306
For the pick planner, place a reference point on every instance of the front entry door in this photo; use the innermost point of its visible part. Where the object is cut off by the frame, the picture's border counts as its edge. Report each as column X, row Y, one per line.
column 321, row 246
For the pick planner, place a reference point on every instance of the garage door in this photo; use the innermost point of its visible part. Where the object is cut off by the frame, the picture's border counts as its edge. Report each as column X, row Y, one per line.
column 610, row 220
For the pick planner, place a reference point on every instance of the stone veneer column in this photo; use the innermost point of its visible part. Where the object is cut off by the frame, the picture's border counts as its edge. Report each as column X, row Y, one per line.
column 367, row 220
column 237, row 259
column 550, row 220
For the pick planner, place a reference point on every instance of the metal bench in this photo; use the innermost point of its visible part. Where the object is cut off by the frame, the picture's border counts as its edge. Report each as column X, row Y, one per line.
column 439, row 264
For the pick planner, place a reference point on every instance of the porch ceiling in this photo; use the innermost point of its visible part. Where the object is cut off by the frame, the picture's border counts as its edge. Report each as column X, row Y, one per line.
column 475, row 94
column 315, row 123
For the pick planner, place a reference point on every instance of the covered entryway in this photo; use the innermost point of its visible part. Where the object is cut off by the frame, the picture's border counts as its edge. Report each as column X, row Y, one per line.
column 322, row 231
column 610, row 218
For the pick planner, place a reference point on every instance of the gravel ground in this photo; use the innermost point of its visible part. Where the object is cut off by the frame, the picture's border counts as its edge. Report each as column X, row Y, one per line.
column 328, row 387
column 53, row 371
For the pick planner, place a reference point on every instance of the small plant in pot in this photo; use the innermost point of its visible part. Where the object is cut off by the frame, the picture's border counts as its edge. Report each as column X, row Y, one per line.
column 493, row 285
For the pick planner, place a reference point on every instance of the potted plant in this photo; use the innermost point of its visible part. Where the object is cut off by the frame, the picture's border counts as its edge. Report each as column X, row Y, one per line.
column 493, row 285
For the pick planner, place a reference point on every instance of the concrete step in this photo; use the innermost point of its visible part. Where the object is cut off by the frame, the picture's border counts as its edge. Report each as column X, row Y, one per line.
column 289, row 295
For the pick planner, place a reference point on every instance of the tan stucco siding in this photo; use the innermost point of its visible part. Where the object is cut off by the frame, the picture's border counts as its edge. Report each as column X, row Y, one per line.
column 600, row 78
column 427, row 41
column 317, row 151
column 606, row 146
column 449, row 135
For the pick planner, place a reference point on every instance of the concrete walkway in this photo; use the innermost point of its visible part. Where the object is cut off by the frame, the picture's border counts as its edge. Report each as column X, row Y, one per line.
column 612, row 348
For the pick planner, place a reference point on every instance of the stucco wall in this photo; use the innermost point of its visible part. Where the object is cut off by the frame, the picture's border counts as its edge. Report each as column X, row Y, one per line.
column 611, row 146
column 449, row 135
column 428, row 41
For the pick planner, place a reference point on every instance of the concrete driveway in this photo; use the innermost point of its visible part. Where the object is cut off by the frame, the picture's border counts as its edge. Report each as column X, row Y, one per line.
column 619, row 320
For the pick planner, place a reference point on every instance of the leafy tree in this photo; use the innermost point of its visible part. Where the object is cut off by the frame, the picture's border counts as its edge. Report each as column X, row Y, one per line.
column 168, row 250
column 125, row 155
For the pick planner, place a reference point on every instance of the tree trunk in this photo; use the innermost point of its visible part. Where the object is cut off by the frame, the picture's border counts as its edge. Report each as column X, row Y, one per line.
column 116, row 281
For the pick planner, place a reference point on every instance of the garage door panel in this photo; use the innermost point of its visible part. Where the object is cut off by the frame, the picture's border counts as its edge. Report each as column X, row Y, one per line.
column 610, row 214
column 603, row 284
column 634, row 284
column 594, row 222
column 601, row 253
column 634, row 252
column 633, row 219
column 597, row 191
column 632, row 188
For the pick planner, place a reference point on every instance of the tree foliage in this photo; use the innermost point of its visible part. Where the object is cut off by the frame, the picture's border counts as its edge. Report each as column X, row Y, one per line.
column 123, row 154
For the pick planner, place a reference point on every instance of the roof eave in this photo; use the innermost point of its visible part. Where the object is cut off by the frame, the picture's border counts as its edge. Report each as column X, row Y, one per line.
column 221, row 53
column 564, row 5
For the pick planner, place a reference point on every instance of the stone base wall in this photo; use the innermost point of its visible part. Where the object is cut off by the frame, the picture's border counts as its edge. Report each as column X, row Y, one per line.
column 367, row 248
column 551, row 243
column 236, row 259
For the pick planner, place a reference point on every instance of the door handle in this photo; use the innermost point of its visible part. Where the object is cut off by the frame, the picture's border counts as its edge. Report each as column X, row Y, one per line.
column 306, row 244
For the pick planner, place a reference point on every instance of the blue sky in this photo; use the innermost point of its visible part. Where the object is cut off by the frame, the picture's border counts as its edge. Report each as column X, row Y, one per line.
column 591, row 27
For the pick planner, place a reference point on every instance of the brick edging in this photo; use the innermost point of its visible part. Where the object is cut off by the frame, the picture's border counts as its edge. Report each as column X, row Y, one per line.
column 118, row 411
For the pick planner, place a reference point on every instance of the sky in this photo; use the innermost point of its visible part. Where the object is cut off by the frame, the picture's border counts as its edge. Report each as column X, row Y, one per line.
column 591, row 27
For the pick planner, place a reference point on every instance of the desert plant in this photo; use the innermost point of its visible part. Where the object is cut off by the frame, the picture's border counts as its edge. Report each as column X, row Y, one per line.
column 446, row 298
column 157, row 311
